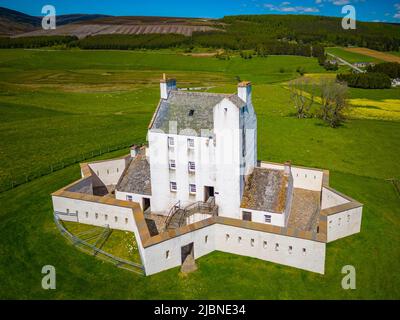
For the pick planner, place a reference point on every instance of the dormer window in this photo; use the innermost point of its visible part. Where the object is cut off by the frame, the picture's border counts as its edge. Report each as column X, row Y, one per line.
column 191, row 112
column 171, row 141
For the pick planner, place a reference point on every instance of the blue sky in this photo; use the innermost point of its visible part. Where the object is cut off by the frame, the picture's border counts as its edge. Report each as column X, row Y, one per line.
column 367, row 10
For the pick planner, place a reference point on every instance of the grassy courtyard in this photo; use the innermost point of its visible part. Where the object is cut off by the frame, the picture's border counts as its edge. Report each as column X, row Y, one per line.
column 55, row 104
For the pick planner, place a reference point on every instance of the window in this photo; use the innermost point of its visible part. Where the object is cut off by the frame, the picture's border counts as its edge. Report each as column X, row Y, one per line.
column 129, row 198
column 246, row 216
column 96, row 215
column 108, row 171
column 276, row 246
column 252, row 242
column 304, row 251
column 206, row 239
column 67, row 211
column 267, row 218
column 239, row 239
column 172, row 186
column 317, row 229
column 126, row 220
column 192, row 166
column 106, row 217
column 348, row 218
column 290, row 249
column 87, row 214
column 192, row 188
column 265, row 243
column 116, row 219
column 340, row 220
column 227, row 236
column 77, row 212
column 172, row 164
column 167, row 256
column 190, row 143
column 191, row 112
column 117, row 170
column 171, row 141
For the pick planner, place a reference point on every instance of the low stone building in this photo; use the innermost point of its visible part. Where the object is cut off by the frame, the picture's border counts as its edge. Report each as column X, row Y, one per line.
column 198, row 187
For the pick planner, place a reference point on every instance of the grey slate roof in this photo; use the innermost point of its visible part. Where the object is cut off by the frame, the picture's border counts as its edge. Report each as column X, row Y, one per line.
column 178, row 107
column 265, row 190
column 136, row 178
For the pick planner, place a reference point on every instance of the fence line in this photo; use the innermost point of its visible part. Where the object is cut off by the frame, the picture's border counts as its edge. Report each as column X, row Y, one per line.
column 92, row 250
column 8, row 184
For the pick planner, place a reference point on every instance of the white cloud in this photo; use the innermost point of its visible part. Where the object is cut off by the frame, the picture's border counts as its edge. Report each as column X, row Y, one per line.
column 285, row 7
column 340, row 2
column 397, row 14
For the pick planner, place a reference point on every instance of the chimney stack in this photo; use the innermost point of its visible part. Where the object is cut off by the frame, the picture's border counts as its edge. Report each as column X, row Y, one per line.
column 244, row 91
column 166, row 85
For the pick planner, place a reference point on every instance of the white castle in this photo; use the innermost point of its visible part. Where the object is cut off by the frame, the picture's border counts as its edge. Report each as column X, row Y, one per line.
column 198, row 187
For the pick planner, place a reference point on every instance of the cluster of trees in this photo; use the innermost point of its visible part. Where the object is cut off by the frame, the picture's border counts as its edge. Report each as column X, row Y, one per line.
column 391, row 69
column 369, row 80
column 377, row 76
column 333, row 98
column 36, row 42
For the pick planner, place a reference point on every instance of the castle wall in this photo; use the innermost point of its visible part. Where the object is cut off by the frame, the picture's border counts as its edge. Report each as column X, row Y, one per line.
column 344, row 223
column 109, row 171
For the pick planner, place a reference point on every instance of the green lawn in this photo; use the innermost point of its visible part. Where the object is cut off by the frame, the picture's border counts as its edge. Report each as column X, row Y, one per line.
column 55, row 104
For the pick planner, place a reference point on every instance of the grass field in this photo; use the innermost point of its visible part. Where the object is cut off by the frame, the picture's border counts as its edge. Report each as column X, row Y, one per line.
column 351, row 57
column 66, row 102
column 384, row 56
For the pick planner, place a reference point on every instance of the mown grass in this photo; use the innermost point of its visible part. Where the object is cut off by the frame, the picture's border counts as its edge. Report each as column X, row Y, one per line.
column 45, row 119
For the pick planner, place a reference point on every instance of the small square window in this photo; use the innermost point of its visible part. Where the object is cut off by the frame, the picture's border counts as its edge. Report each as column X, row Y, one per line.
column 192, row 188
column 126, row 220
column 167, row 255
column 348, row 218
column 96, row 215
column 276, row 246
column 239, row 239
column 192, row 166
column 171, row 141
column 267, row 218
column 290, row 249
column 190, row 143
column 265, row 243
column 191, row 112
column 304, row 251
column 252, row 242
column 227, row 236
column 106, row 217
column 67, row 211
column 87, row 214
column 116, row 219
column 129, row 198
column 172, row 186
column 172, row 164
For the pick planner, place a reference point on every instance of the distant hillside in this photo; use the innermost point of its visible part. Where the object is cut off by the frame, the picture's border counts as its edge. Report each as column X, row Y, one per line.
column 14, row 22
column 267, row 34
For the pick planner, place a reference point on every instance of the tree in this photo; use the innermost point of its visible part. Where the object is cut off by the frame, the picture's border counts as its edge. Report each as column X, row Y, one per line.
column 301, row 98
column 333, row 102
